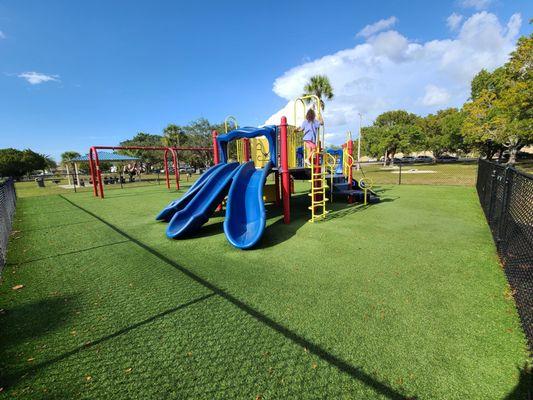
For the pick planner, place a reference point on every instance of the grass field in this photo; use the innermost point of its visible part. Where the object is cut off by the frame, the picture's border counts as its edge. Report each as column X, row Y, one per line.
column 403, row 299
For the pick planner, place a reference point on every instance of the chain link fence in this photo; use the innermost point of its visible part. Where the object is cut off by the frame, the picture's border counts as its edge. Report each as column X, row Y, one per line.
column 8, row 200
column 506, row 196
column 456, row 173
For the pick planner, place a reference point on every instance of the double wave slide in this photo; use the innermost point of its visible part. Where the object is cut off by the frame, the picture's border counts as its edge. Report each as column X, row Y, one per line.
column 168, row 212
column 203, row 204
column 245, row 210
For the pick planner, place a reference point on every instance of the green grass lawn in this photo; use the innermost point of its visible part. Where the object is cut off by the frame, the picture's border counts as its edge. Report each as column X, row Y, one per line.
column 403, row 299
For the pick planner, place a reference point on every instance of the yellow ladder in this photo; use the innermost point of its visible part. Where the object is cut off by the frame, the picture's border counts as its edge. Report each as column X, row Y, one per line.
column 318, row 189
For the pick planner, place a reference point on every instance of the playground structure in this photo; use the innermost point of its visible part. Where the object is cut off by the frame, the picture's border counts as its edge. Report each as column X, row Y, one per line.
column 243, row 182
column 96, row 174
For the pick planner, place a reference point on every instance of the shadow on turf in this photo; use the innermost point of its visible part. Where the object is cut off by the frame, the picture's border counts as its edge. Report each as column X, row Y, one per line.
column 353, row 371
column 32, row 320
column 279, row 232
column 10, row 380
column 524, row 388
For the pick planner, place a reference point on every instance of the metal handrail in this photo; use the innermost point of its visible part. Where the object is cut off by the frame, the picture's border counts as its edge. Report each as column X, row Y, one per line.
column 331, row 167
column 366, row 184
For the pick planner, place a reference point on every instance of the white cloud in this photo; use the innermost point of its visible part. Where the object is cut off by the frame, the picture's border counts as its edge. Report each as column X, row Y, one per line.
column 390, row 71
column 36, row 78
column 379, row 26
column 477, row 4
column 435, row 96
column 2, row 35
column 390, row 44
column 454, row 21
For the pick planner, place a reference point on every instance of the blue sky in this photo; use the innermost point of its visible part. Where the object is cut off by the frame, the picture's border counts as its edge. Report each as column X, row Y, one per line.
column 79, row 73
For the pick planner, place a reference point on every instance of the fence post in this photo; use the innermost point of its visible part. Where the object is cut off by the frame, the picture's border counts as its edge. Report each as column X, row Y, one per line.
column 492, row 194
column 400, row 174
column 507, row 181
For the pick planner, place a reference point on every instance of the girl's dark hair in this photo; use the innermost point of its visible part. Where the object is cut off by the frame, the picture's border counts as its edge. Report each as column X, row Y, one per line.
column 310, row 116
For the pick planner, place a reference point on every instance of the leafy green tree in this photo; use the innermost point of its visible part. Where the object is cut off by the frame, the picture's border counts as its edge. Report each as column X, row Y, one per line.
column 12, row 163
column 500, row 114
column 50, row 162
column 493, row 82
column 17, row 163
column 174, row 136
column 479, row 127
column 198, row 134
column 442, row 132
column 320, row 86
column 33, row 161
column 392, row 132
column 152, row 158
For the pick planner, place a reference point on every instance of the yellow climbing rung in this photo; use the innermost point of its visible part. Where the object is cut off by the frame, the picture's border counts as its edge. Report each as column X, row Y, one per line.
column 318, row 190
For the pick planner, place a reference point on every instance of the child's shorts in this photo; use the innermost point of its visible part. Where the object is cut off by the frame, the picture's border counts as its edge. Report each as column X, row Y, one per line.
column 309, row 144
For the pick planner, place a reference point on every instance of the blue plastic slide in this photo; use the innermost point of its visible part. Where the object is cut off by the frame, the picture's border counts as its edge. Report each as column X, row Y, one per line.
column 245, row 210
column 200, row 208
column 168, row 212
column 339, row 155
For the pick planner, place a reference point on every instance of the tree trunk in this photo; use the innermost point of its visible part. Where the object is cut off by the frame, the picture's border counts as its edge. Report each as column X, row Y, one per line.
column 512, row 155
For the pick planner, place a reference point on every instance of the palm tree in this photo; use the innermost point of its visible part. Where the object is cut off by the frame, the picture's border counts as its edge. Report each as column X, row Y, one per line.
column 320, row 86
column 67, row 156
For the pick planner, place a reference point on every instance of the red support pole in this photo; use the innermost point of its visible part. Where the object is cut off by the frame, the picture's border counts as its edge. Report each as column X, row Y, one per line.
column 216, row 156
column 99, row 174
column 165, row 160
column 176, row 168
column 246, row 145
column 285, row 179
column 92, row 172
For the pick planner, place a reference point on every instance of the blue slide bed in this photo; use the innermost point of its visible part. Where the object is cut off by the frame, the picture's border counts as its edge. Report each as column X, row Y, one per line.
column 198, row 211
column 168, row 212
column 245, row 210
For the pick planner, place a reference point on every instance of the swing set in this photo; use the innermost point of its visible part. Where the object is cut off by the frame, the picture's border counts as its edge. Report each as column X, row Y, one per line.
column 96, row 173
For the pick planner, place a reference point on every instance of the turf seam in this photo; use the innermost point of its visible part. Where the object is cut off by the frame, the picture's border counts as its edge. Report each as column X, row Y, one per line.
column 44, row 228
column 299, row 340
column 67, row 253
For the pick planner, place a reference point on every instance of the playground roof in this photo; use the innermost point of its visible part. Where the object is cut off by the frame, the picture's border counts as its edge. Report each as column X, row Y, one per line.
column 106, row 156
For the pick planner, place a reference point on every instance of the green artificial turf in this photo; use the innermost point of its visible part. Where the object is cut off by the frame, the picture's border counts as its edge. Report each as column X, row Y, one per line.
column 403, row 299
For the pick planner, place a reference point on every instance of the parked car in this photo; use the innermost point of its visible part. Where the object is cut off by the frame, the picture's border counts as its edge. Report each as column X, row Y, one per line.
column 424, row 159
column 407, row 160
column 447, row 159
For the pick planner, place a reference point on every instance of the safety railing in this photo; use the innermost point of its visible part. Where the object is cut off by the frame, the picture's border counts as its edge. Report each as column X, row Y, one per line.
column 331, row 164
